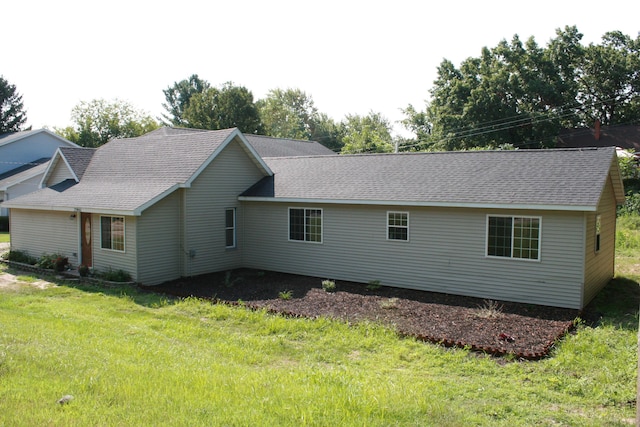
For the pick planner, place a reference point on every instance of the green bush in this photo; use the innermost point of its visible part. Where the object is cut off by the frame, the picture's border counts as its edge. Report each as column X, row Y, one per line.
column 23, row 257
column 329, row 285
column 53, row 262
column 115, row 275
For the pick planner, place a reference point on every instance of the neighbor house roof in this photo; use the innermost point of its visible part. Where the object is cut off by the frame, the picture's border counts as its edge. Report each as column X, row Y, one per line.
column 518, row 179
column 128, row 175
column 8, row 138
column 624, row 136
column 22, row 173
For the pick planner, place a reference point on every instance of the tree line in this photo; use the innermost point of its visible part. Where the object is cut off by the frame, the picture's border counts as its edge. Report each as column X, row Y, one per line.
column 517, row 94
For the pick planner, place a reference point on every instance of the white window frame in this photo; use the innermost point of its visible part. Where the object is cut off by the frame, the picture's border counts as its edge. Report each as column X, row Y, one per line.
column 513, row 217
column 232, row 228
column 124, row 233
column 389, row 226
column 305, row 216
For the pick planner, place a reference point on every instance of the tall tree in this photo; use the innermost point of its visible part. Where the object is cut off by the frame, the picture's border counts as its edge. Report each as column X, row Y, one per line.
column 368, row 134
column 178, row 97
column 221, row 108
column 291, row 113
column 99, row 121
column 522, row 94
column 12, row 114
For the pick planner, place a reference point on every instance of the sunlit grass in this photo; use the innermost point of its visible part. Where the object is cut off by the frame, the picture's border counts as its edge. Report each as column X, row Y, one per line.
column 134, row 358
column 4, row 237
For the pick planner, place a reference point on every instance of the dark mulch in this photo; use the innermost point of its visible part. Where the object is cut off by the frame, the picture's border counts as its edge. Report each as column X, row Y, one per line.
column 526, row 331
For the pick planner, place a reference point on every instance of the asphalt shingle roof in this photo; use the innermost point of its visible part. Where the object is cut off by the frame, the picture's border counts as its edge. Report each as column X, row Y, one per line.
column 125, row 174
column 78, row 158
column 518, row 177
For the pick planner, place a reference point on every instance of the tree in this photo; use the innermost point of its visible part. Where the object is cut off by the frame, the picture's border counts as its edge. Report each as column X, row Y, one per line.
column 368, row 134
column 522, row 94
column 178, row 97
column 12, row 114
column 221, row 108
column 291, row 113
column 99, row 121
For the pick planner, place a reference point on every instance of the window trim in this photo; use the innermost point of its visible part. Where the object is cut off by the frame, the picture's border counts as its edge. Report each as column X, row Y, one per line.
column 513, row 217
column 389, row 226
column 124, row 233
column 305, row 209
column 233, row 227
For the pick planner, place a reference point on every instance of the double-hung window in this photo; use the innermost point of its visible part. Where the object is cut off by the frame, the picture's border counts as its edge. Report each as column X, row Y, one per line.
column 305, row 225
column 513, row 237
column 398, row 226
column 112, row 233
column 230, row 227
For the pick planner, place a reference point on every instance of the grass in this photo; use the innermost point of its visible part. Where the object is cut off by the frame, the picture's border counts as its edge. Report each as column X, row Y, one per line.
column 4, row 237
column 135, row 358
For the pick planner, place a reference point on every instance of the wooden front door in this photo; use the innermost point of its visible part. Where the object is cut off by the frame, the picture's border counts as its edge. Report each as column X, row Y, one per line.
column 87, row 254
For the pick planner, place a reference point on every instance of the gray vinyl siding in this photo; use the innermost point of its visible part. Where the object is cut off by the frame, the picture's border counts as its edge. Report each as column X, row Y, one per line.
column 159, row 236
column 105, row 259
column 445, row 252
column 59, row 173
column 214, row 190
column 17, row 190
column 45, row 232
column 599, row 268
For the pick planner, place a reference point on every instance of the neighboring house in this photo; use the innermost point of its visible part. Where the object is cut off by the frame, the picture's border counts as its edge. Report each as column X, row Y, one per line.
column 22, row 155
column 532, row 226
column 626, row 137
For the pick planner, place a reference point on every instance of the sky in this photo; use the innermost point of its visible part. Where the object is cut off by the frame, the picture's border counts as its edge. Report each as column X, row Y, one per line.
column 350, row 56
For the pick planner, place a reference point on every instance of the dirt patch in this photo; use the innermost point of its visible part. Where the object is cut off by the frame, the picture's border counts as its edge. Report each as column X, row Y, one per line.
column 11, row 281
column 526, row 331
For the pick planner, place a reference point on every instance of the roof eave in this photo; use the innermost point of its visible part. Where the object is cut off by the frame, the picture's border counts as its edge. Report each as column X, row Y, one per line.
column 510, row 206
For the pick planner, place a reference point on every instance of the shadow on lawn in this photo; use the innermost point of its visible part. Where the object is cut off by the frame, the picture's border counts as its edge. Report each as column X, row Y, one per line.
column 617, row 304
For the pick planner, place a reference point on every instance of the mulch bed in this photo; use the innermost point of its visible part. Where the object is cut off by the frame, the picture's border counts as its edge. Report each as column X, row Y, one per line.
column 526, row 331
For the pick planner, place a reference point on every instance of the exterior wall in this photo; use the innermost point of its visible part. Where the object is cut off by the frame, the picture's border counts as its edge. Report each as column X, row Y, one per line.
column 159, row 236
column 33, row 147
column 445, row 252
column 59, row 173
column 44, row 232
column 105, row 259
column 600, row 266
column 216, row 189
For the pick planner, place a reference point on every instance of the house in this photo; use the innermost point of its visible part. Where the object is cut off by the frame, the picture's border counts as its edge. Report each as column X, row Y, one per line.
column 22, row 158
column 626, row 137
column 532, row 226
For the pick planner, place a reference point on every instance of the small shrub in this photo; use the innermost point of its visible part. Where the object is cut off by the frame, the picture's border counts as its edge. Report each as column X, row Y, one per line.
column 329, row 285
column 23, row 257
column 390, row 303
column 490, row 309
column 115, row 275
column 374, row 285
column 83, row 270
column 52, row 262
column 285, row 295
column 229, row 281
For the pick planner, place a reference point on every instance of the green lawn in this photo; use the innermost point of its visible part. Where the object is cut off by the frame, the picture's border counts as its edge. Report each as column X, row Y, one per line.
column 132, row 358
column 4, row 237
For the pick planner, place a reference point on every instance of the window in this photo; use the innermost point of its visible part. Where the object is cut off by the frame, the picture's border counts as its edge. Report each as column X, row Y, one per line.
column 397, row 225
column 112, row 233
column 305, row 225
column 513, row 237
column 230, row 227
column 598, row 230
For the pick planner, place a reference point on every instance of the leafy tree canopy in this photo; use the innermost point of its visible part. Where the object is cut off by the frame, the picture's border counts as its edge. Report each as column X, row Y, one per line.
column 291, row 113
column 99, row 121
column 368, row 134
column 12, row 114
column 178, row 97
column 523, row 94
column 221, row 108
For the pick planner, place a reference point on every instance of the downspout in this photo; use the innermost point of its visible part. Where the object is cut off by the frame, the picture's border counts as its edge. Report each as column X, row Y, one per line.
column 184, row 244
